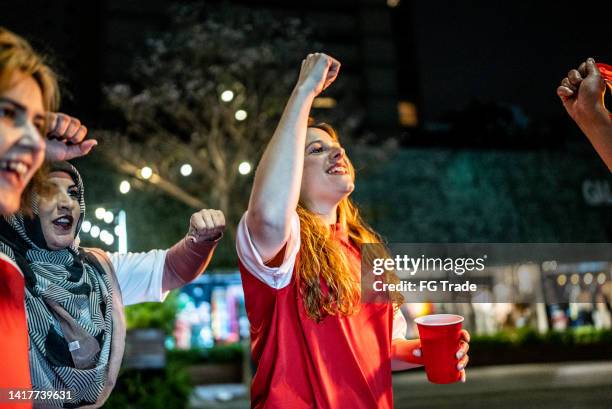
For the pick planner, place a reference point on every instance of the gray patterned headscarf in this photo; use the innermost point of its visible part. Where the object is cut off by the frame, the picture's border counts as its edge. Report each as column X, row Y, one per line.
column 69, row 307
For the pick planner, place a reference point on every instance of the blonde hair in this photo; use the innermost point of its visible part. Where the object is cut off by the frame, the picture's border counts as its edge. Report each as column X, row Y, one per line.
column 322, row 258
column 16, row 55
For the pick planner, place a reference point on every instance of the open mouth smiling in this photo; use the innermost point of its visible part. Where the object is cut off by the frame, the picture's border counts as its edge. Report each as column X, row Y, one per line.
column 64, row 222
column 15, row 169
column 337, row 169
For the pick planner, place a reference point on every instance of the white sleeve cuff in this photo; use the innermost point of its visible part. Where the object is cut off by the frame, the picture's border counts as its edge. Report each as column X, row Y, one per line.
column 275, row 277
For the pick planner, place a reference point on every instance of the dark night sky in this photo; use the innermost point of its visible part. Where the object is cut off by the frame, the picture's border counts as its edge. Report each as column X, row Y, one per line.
column 514, row 51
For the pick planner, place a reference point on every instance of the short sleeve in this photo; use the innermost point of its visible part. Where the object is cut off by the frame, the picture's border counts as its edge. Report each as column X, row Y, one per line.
column 140, row 276
column 275, row 277
column 400, row 326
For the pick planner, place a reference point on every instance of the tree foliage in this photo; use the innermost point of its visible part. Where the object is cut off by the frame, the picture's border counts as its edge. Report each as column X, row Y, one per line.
column 172, row 109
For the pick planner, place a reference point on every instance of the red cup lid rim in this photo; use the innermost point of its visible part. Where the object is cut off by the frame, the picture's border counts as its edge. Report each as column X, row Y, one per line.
column 456, row 319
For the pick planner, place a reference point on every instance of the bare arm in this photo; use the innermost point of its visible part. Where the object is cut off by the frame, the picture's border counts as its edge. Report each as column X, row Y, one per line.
column 276, row 188
column 582, row 94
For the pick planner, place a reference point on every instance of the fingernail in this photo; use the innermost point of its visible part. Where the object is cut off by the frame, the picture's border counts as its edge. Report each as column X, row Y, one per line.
column 416, row 352
column 459, row 367
column 463, row 378
column 459, row 354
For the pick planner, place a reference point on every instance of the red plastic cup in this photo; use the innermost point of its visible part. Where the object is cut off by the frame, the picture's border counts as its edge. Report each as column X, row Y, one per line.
column 440, row 335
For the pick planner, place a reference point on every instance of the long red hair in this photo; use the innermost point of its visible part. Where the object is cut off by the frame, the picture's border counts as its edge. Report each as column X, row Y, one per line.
column 322, row 258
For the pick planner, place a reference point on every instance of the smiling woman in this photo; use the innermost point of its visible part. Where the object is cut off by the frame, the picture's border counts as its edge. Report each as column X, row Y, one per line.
column 299, row 250
column 75, row 296
column 28, row 88
column 59, row 211
column 28, row 95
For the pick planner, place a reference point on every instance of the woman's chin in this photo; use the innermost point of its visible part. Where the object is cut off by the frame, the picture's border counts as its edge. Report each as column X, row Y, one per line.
column 344, row 191
column 8, row 207
column 59, row 242
column 58, row 245
column 10, row 201
column 347, row 188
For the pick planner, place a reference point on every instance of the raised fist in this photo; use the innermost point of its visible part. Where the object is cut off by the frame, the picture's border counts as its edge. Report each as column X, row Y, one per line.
column 66, row 138
column 206, row 225
column 582, row 93
column 318, row 72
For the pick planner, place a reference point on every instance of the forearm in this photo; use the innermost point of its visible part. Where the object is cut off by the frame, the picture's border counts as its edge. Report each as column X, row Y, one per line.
column 402, row 354
column 276, row 187
column 185, row 261
column 599, row 132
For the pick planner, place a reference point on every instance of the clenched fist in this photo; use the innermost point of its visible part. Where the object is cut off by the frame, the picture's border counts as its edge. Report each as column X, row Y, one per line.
column 318, row 71
column 582, row 94
column 206, row 225
column 66, row 138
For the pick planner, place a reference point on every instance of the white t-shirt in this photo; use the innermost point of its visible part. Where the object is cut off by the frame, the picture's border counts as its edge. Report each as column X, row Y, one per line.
column 140, row 276
column 279, row 277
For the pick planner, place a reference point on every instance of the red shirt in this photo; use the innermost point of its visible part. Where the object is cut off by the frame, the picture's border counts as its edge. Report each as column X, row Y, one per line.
column 339, row 362
column 14, row 366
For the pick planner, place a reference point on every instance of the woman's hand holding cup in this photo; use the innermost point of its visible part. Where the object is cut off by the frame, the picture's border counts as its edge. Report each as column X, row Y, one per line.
column 444, row 347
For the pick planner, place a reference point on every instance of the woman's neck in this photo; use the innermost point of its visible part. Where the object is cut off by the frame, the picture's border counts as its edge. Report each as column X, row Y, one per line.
column 330, row 218
column 328, row 214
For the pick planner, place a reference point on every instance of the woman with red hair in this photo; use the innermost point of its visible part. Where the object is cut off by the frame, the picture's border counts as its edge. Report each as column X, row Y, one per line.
column 315, row 344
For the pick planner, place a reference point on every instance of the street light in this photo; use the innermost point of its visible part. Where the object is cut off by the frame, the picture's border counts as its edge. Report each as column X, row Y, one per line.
column 227, row 96
column 109, row 217
column 240, row 115
column 244, row 168
column 146, row 172
column 100, row 212
column 124, row 186
column 113, row 232
column 186, row 169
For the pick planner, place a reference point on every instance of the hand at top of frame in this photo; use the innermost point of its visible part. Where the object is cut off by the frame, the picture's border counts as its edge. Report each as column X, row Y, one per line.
column 206, row 225
column 582, row 94
column 317, row 73
column 66, row 138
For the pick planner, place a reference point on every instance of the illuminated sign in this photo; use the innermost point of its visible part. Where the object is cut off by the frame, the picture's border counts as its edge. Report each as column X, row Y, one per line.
column 597, row 192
